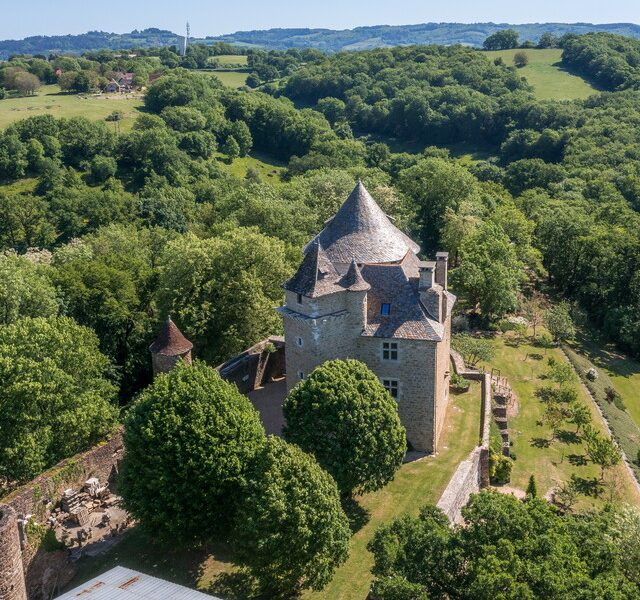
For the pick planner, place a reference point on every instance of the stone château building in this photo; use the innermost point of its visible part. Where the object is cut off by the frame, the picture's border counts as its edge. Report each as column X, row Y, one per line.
column 362, row 292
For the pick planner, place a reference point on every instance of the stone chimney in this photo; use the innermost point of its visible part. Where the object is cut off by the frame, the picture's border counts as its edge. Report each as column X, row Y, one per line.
column 431, row 293
column 427, row 274
column 442, row 267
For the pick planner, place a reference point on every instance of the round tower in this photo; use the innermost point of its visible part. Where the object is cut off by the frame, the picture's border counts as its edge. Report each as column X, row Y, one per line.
column 169, row 347
column 12, row 584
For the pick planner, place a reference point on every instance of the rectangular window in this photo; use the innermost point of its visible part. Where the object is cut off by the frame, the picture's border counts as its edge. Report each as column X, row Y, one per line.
column 300, row 375
column 385, row 310
column 389, row 351
column 300, row 342
column 299, row 298
column 391, row 385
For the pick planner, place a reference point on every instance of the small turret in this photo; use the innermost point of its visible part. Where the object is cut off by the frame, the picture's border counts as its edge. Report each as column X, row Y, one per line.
column 169, row 347
column 431, row 292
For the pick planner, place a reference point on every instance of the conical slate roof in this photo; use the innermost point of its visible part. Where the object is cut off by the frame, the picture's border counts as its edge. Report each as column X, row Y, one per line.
column 360, row 230
column 170, row 341
column 353, row 279
column 316, row 275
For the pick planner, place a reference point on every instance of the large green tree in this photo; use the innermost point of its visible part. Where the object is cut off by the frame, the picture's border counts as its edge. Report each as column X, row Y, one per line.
column 506, row 549
column 224, row 289
column 189, row 440
column 342, row 415
column 433, row 186
column 291, row 530
column 490, row 273
column 55, row 399
column 25, row 290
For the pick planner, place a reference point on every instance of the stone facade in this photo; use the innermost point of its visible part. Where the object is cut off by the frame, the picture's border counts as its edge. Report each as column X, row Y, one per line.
column 367, row 296
column 12, row 584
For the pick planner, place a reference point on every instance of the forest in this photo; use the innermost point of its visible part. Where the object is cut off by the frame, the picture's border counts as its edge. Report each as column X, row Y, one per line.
column 118, row 230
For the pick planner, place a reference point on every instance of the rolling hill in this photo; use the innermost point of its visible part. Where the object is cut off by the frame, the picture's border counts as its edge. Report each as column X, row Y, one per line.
column 359, row 38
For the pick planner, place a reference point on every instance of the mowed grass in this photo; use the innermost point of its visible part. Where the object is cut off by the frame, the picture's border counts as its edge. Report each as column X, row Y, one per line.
column 230, row 59
column 623, row 371
column 50, row 101
column 525, row 366
column 547, row 76
column 416, row 484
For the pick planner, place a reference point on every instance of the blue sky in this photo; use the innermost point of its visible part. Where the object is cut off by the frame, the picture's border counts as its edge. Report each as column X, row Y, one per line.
column 52, row 17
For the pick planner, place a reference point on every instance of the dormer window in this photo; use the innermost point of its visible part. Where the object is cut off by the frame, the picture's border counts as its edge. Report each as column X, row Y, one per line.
column 385, row 309
column 299, row 299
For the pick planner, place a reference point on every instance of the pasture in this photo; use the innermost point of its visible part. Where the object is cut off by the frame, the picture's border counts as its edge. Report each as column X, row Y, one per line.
column 546, row 74
column 50, row 101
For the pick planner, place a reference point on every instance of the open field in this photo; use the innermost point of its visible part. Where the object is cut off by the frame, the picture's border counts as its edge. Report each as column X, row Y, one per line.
column 525, row 366
column 416, row 484
column 49, row 101
column 231, row 59
column 268, row 168
column 232, row 79
column 545, row 73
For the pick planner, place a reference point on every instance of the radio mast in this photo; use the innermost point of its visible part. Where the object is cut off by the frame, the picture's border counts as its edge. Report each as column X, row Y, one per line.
column 186, row 40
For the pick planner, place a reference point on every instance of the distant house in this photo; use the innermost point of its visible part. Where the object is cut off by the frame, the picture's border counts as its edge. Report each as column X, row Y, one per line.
column 112, row 87
column 154, row 76
column 58, row 72
column 121, row 83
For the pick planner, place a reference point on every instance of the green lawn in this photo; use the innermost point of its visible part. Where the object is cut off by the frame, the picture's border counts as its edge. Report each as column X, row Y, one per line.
column 232, row 79
column 269, row 168
column 545, row 73
column 230, row 59
column 416, row 484
column 50, row 101
column 525, row 366
column 623, row 372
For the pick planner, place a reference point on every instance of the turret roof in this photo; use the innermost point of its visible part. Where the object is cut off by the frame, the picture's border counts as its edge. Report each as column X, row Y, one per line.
column 316, row 276
column 353, row 279
column 361, row 230
column 170, row 341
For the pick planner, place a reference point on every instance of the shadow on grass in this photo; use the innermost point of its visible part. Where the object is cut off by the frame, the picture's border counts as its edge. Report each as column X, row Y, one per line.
column 587, row 486
column 237, row 585
column 357, row 515
column 578, row 460
column 539, row 442
column 568, row 437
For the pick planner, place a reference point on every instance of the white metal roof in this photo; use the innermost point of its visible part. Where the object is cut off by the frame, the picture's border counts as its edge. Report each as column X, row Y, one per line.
column 121, row 583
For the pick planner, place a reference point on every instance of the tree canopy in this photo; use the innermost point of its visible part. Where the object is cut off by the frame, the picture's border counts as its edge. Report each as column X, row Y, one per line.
column 342, row 415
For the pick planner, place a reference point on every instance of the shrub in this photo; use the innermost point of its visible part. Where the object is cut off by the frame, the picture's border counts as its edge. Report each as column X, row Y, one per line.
column 458, row 382
column 499, row 468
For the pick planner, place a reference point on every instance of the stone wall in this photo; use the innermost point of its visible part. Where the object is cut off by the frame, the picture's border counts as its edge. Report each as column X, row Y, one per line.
column 465, row 481
column 256, row 365
column 101, row 462
column 12, row 584
column 472, row 474
column 43, row 571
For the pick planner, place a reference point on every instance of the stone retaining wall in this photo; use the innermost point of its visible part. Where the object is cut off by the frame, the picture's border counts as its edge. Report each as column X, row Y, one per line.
column 12, row 584
column 472, row 474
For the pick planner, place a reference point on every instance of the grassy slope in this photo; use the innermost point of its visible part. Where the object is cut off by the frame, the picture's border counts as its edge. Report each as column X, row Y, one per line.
column 50, row 101
column 547, row 76
column 550, row 465
column 416, row 484
column 623, row 372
